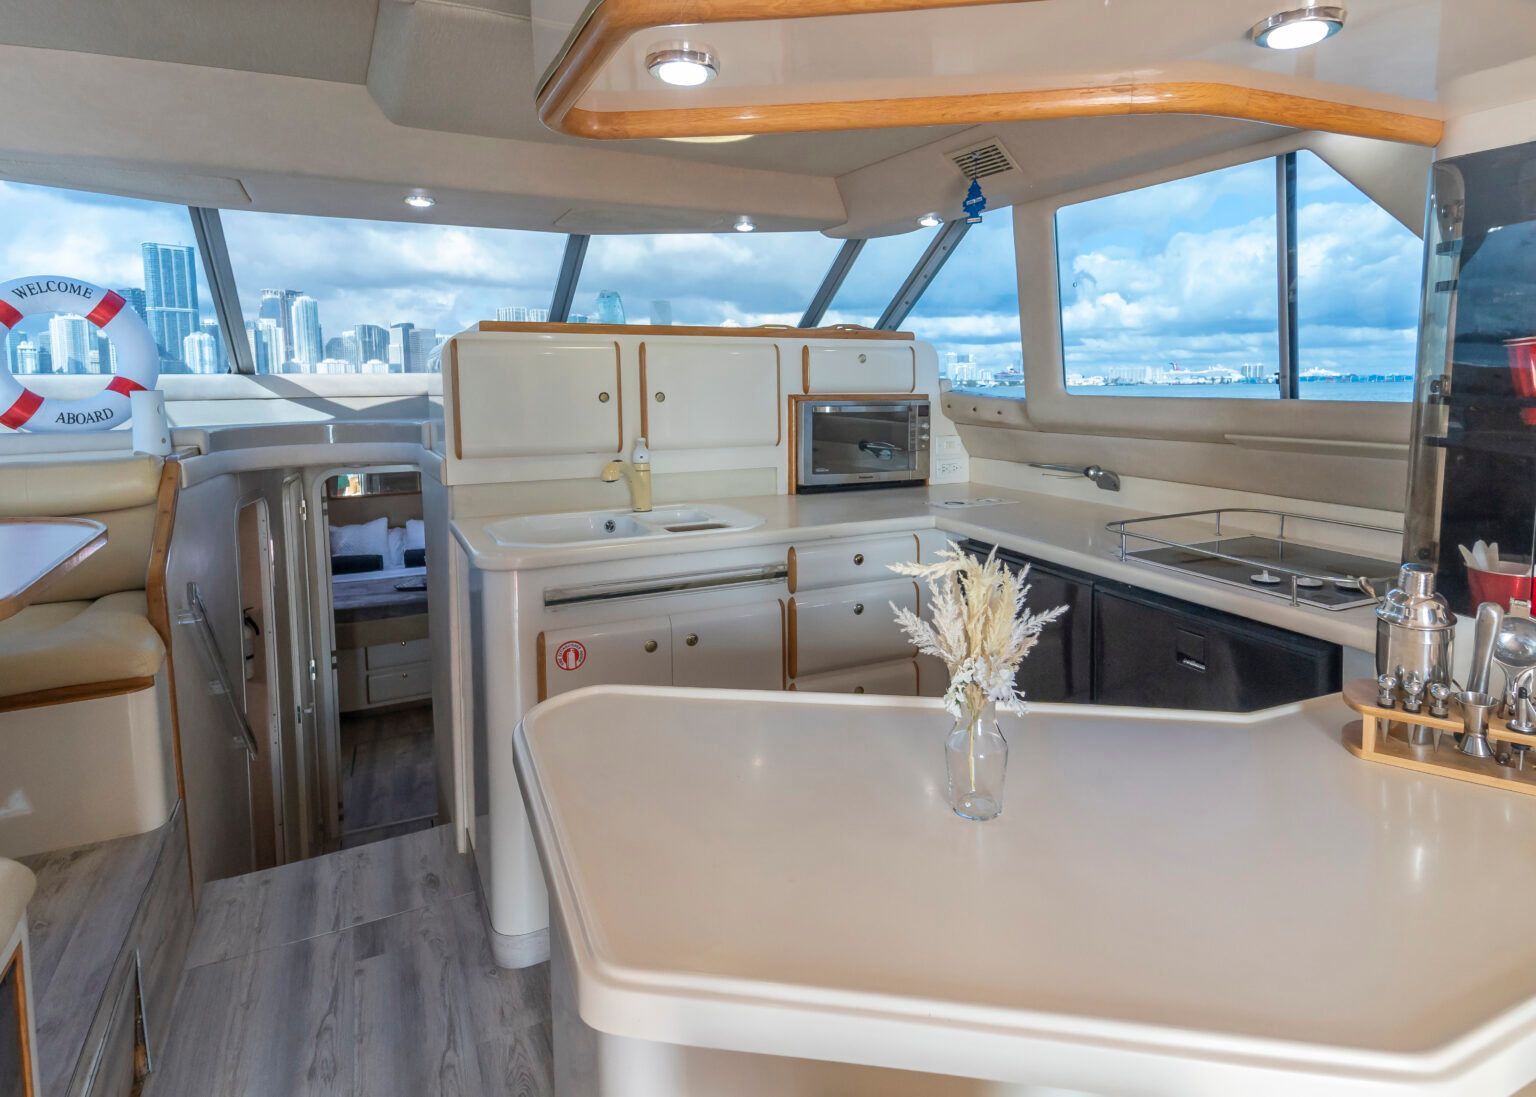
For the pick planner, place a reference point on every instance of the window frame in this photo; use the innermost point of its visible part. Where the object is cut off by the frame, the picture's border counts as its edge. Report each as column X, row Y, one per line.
column 1370, row 429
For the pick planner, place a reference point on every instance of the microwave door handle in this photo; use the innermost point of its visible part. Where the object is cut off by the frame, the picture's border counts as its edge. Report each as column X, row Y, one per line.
column 883, row 451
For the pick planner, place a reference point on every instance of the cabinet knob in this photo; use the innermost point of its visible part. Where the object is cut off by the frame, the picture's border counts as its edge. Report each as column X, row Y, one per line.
column 661, row 398
column 602, row 398
column 863, row 358
column 858, row 558
column 858, row 689
column 858, row 608
column 651, row 645
column 693, row 639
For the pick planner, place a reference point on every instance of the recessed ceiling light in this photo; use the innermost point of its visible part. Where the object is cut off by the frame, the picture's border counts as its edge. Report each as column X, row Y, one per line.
column 1290, row 30
column 682, row 66
column 420, row 199
column 930, row 220
column 744, row 224
column 723, row 139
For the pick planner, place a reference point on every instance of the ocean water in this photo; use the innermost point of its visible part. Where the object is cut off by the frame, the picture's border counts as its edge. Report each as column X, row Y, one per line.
column 1376, row 392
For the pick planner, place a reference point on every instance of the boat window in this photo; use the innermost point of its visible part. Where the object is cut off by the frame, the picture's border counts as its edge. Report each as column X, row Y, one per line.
column 1357, row 291
column 736, row 279
column 338, row 295
column 1173, row 290
column 875, row 277
column 970, row 311
column 145, row 251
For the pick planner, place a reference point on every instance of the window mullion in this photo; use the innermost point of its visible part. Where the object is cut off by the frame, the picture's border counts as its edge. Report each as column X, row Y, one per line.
column 209, row 229
column 570, row 274
column 842, row 263
column 1285, row 262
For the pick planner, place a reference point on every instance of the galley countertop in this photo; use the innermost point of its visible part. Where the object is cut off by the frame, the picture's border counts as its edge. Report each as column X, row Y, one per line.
column 1063, row 531
column 1171, row 902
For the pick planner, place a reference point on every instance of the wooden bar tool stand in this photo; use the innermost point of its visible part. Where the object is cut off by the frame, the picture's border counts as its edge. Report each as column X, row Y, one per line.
column 1372, row 737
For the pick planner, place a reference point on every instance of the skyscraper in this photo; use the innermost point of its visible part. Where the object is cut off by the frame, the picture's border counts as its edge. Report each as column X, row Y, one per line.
column 343, row 348
column 610, row 307
column 522, row 314
column 400, row 348
column 170, row 295
column 200, row 351
column 372, row 342
column 26, row 358
column 308, row 344
column 266, row 339
column 71, row 339
column 277, row 304
column 422, row 341
column 661, row 313
column 135, row 298
column 210, row 327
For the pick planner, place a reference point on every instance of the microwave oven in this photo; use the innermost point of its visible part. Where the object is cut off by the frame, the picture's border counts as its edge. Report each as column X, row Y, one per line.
column 860, row 441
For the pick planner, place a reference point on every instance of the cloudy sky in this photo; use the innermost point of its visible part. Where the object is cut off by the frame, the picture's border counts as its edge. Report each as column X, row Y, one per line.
column 1185, row 272
column 1180, row 272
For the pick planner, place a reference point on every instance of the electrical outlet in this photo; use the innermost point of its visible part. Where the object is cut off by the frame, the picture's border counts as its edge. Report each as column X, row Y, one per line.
column 950, row 470
column 950, row 463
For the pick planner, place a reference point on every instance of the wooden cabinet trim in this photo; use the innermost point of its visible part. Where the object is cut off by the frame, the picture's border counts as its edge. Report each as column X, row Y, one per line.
column 15, row 962
column 618, row 391
column 792, row 649
column 543, row 674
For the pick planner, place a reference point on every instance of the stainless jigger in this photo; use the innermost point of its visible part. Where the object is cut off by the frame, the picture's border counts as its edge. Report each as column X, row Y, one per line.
column 1475, row 710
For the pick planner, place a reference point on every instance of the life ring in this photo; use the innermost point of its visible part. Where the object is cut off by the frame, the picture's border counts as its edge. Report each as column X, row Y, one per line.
column 138, row 358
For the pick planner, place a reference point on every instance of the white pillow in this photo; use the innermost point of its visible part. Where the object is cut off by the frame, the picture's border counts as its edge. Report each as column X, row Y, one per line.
column 395, row 558
column 415, row 533
column 368, row 539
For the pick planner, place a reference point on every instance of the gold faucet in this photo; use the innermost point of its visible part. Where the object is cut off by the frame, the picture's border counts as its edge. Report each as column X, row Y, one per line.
column 637, row 473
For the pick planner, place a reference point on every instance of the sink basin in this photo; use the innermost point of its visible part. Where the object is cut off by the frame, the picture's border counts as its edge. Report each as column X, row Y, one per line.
column 600, row 526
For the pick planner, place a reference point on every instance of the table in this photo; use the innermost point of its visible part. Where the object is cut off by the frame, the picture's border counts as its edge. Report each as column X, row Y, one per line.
column 34, row 552
column 758, row 893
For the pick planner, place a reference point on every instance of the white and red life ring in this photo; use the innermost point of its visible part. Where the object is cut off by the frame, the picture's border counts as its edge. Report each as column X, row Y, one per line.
column 138, row 358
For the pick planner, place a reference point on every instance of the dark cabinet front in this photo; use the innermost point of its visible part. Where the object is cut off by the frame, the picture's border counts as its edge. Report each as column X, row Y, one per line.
column 1160, row 652
column 1060, row 666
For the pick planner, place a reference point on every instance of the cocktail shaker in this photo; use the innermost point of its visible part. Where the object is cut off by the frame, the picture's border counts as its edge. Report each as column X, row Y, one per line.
column 1414, row 629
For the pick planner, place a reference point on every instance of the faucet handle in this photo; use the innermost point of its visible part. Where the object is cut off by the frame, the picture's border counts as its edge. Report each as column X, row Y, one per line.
column 641, row 455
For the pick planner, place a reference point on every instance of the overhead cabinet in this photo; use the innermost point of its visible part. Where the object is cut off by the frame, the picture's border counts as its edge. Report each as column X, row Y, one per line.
column 860, row 367
column 536, row 399
column 708, row 394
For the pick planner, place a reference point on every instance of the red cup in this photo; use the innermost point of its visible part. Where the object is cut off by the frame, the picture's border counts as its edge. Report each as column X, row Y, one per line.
column 1495, row 586
column 1522, row 367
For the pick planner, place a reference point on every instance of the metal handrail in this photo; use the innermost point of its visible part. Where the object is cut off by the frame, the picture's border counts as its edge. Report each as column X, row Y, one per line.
column 196, row 614
column 1360, row 582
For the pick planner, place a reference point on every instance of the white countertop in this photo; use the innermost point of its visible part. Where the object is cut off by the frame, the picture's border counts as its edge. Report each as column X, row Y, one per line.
column 1069, row 532
column 1170, row 903
column 36, row 551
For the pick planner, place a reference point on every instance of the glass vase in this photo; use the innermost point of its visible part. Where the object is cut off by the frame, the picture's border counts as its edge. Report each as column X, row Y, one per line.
column 976, row 756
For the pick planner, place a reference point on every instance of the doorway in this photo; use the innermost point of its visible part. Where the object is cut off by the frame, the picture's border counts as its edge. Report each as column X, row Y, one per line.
column 384, row 761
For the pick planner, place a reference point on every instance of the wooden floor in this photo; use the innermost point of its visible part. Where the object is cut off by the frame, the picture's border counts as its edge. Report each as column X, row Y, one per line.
column 389, row 775
column 363, row 973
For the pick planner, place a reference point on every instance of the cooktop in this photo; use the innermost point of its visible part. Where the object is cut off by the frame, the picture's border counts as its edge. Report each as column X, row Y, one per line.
column 1267, row 564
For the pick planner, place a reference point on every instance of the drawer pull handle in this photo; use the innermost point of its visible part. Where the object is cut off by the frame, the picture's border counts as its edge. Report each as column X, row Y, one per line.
column 858, row 608
column 405, row 675
column 693, row 639
column 858, row 558
column 602, row 398
column 651, row 645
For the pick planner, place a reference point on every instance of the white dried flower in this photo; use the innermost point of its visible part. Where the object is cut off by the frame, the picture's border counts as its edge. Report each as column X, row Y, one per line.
column 980, row 627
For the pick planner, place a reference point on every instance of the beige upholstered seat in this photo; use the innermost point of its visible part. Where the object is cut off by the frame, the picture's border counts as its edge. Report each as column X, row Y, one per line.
column 63, row 644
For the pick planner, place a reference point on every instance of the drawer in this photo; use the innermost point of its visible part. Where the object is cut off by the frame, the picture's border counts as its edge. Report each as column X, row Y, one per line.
column 399, row 653
column 858, row 367
column 896, row 679
column 399, row 684
column 622, row 653
column 848, row 627
column 839, row 563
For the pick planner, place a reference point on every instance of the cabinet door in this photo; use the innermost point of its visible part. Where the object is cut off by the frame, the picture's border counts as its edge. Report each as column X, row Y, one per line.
column 848, row 626
column 530, row 399
column 702, row 394
column 896, row 679
column 857, row 367
column 626, row 653
column 740, row 647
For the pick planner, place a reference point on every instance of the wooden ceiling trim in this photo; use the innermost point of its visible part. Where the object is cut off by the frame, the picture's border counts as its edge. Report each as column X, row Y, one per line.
column 613, row 21
column 1214, row 100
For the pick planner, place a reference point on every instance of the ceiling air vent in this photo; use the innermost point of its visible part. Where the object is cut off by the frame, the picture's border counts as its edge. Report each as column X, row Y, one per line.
column 984, row 160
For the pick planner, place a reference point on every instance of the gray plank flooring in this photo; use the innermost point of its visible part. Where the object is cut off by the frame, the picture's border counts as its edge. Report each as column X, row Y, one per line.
column 364, row 973
column 391, row 775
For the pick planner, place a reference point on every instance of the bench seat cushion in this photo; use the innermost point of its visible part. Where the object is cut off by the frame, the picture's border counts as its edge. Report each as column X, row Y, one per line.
column 62, row 644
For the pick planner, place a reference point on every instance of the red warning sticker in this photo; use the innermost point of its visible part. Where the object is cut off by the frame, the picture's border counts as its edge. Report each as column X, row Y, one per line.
column 570, row 655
